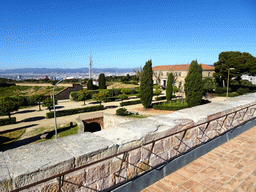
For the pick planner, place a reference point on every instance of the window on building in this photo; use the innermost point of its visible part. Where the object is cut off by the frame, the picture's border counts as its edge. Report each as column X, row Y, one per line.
column 209, row 74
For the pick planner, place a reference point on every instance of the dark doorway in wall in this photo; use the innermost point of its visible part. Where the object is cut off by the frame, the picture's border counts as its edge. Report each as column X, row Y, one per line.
column 92, row 127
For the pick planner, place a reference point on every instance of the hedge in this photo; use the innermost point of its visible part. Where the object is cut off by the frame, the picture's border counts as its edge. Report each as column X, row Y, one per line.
column 7, row 121
column 74, row 111
column 130, row 102
column 163, row 98
column 160, row 98
column 170, row 106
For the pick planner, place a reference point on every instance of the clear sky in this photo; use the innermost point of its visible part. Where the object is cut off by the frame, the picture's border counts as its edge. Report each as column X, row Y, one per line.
column 123, row 33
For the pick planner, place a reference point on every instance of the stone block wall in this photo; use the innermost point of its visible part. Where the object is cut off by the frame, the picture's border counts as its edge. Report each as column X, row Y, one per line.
column 100, row 160
column 64, row 94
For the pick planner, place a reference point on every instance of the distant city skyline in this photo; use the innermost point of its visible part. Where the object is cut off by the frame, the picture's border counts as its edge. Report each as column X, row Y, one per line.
column 123, row 34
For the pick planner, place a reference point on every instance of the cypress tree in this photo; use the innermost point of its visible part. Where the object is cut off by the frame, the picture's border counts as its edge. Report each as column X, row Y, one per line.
column 90, row 84
column 102, row 81
column 194, row 84
column 146, row 84
column 169, row 88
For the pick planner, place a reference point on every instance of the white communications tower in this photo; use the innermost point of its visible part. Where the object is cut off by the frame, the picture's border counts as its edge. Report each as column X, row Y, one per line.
column 90, row 65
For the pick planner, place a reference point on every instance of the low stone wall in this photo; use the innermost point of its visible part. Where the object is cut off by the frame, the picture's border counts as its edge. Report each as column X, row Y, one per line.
column 113, row 120
column 101, row 160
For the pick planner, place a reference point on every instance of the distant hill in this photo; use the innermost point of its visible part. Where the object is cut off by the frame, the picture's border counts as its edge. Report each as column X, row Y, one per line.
column 59, row 70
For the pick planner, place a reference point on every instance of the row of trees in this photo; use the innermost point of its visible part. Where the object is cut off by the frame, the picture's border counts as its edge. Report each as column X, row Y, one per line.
column 11, row 104
column 193, row 85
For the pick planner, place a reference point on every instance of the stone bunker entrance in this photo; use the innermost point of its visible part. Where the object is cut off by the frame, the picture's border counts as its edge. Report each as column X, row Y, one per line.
column 90, row 122
column 97, row 121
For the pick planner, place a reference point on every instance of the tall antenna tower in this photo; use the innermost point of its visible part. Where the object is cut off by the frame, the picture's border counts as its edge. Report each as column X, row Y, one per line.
column 90, row 65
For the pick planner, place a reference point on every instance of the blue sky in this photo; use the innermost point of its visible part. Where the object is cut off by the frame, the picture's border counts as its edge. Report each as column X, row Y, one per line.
column 123, row 33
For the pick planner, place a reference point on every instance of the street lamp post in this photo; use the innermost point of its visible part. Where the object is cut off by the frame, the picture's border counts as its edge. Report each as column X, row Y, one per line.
column 54, row 110
column 228, row 79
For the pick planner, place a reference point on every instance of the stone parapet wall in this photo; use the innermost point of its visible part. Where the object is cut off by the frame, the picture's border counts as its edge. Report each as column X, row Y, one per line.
column 112, row 120
column 100, row 160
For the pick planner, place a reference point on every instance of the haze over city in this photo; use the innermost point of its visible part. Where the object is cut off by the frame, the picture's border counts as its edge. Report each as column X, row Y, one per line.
column 123, row 34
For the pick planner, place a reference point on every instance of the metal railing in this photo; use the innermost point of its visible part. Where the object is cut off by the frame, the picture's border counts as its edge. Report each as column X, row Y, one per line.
column 124, row 159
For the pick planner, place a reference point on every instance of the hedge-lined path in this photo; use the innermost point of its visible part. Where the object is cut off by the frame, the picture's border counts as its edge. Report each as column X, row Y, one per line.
column 32, row 119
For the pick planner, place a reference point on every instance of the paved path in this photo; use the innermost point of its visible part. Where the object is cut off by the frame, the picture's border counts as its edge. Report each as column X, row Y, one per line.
column 229, row 167
column 31, row 118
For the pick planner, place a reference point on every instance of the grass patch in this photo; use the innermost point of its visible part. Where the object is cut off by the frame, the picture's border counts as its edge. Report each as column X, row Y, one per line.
column 137, row 116
column 171, row 105
column 28, row 90
column 62, row 132
column 8, row 138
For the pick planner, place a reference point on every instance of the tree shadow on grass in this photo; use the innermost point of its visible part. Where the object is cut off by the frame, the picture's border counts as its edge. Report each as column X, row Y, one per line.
column 32, row 139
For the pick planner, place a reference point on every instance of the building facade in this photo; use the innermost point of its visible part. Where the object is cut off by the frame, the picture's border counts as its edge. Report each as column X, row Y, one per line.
column 160, row 74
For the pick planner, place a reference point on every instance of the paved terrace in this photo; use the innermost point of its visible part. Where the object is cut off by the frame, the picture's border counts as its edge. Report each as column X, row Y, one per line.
column 229, row 167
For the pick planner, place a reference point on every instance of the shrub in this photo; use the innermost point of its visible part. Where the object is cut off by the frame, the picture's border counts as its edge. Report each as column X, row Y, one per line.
column 74, row 111
column 38, row 98
column 194, row 84
column 169, row 88
column 7, row 121
column 102, row 81
column 220, row 90
column 242, row 91
column 74, row 96
column 157, row 92
column 126, row 91
column 122, row 112
column 90, row 84
column 130, row 102
column 7, row 106
column 156, row 86
column 146, row 85
column 48, row 102
column 122, row 97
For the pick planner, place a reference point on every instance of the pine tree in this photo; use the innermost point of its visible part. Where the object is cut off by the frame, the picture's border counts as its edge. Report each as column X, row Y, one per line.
column 194, row 84
column 146, row 84
column 102, row 81
column 169, row 88
column 89, row 85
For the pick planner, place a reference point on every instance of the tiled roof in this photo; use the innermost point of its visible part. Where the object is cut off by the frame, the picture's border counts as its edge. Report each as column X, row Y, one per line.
column 183, row 67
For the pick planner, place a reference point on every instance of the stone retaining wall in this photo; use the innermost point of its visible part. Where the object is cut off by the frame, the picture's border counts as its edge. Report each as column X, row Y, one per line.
column 100, row 160
column 64, row 94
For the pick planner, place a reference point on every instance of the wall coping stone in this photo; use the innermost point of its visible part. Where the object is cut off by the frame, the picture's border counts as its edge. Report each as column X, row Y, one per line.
column 123, row 138
column 86, row 147
column 5, row 178
column 32, row 163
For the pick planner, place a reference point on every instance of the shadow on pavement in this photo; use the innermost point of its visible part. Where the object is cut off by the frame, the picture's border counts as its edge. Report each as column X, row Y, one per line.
column 59, row 107
column 32, row 119
column 23, row 127
column 111, row 107
column 25, row 111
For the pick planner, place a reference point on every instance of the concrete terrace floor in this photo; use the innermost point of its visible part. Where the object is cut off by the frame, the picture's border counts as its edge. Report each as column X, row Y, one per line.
column 229, row 167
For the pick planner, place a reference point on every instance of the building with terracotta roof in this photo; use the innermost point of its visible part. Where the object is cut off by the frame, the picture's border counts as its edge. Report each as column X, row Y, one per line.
column 160, row 74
